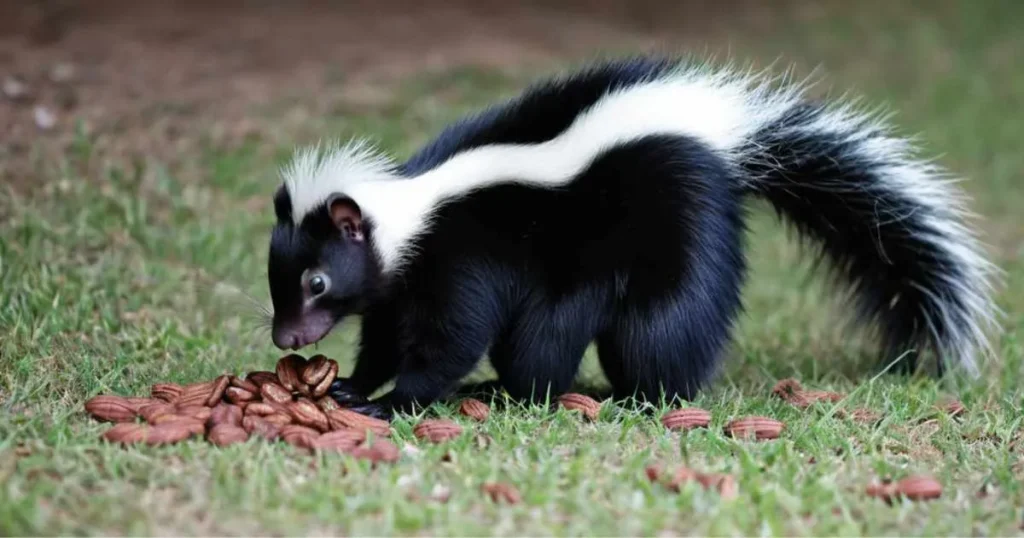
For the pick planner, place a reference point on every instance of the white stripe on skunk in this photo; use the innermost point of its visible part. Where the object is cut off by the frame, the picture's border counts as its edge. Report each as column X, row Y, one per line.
column 721, row 109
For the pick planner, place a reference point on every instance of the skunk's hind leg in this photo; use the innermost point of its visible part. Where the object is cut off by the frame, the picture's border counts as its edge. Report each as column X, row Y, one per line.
column 539, row 353
column 651, row 358
column 669, row 350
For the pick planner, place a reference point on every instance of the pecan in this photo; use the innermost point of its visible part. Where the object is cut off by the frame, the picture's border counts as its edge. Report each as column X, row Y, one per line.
column 217, row 392
column 272, row 392
column 227, row 434
column 315, row 370
column 244, row 384
column 346, row 418
column 298, row 435
column 754, row 427
column 686, row 419
column 261, row 377
column 225, row 413
column 474, row 409
column 582, row 403
column 307, row 413
column 126, row 432
column 238, row 395
column 168, row 392
column 288, row 368
column 324, row 385
column 436, row 430
column 110, row 408
column 340, row 440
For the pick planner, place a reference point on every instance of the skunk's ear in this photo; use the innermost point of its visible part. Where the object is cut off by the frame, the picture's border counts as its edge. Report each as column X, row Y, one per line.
column 346, row 216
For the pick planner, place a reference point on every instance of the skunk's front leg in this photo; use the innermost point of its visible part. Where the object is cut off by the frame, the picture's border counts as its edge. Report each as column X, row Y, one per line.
column 439, row 345
column 378, row 359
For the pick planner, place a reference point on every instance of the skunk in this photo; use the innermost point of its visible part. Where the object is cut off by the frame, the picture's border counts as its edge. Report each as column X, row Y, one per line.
column 606, row 206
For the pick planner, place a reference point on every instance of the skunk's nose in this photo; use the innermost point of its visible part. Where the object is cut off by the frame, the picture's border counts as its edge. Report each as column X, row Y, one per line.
column 286, row 339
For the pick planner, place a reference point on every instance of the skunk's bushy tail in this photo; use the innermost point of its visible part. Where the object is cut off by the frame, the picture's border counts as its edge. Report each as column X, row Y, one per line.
column 892, row 225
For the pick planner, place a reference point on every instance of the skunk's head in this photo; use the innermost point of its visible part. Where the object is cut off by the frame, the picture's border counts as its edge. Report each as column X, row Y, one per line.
column 320, row 268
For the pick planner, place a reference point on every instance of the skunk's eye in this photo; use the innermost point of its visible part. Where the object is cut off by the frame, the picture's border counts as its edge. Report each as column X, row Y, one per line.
column 318, row 284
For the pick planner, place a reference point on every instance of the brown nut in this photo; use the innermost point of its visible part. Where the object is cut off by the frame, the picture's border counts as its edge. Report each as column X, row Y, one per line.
column 227, row 434
column 200, row 412
column 474, row 409
column 238, row 395
column 170, row 432
column 499, row 491
column 787, row 388
column 272, row 392
column 110, row 408
column 191, row 424
column 196, row 393
column 243, row 384
column 326, row 403
column 288, row 368
column 381, row 450
column 126, row 433
column 315, row 370
column 919, row 488
column 304, row 390
column 437, row 430
column 325, row 384
column 260, row 427
column 197, row 389
column 586, row 405
column 217, row 392
column 165, row 417
column 339, row 440
column 262, row 409
column 686, row 419
column 298, row 435
column 168, row 392
column 754, row 427
column 139, row 403
column 225, row 413
column 260, row 377
column 150, row 412
column 279, row 419
column 307, row 413
column 345, row 418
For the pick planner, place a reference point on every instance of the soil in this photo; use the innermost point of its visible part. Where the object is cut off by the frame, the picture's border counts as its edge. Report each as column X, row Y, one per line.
column 157, row 78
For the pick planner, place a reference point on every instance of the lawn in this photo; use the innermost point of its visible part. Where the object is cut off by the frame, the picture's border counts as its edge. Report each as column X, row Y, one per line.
column 113, row 277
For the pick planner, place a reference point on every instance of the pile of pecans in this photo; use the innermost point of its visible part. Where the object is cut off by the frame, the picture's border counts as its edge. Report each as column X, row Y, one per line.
column 290, row 404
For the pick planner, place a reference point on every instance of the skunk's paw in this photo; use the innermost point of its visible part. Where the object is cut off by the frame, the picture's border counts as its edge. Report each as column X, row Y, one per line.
column 377, row 409
column 343, row 392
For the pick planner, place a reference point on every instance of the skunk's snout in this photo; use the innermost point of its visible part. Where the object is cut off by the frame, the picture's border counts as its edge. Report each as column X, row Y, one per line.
column 308, row 329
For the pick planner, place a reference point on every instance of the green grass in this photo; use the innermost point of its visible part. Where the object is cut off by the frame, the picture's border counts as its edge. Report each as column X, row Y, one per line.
column 113, row 278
